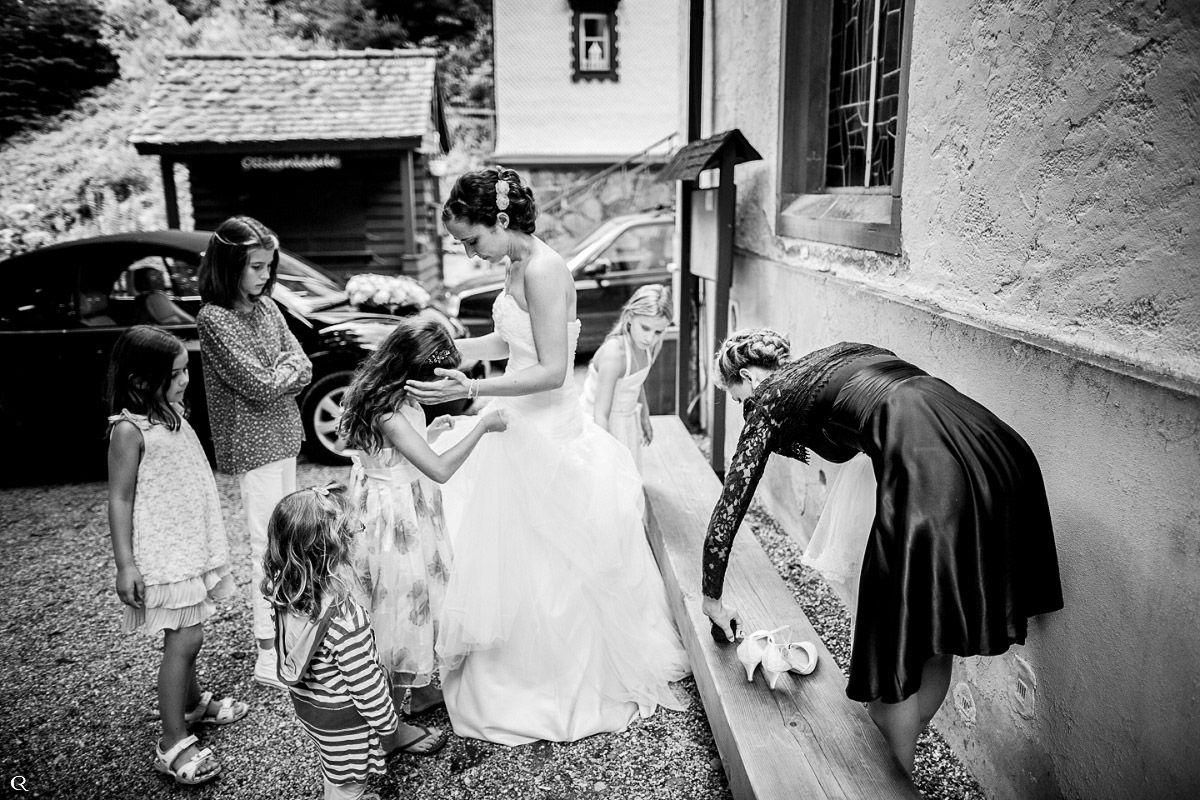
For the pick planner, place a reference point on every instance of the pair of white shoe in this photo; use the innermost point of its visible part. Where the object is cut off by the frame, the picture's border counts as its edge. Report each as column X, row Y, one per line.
column 776, row 657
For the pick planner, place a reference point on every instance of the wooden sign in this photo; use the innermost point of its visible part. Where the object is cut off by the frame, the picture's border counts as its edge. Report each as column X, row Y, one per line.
column 305, row 163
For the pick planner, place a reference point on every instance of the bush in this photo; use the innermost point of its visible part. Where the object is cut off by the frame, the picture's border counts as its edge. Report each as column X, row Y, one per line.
column 51, row 54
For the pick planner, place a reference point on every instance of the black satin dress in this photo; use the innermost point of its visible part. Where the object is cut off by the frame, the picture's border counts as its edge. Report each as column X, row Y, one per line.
column 961, row 552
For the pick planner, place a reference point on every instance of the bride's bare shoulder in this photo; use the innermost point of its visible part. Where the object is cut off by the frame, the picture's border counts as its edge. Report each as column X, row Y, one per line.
column 545, row 258
column 546, row 266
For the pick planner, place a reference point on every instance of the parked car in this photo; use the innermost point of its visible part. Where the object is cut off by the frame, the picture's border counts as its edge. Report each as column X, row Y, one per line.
column 609, row 264
column 64, row 306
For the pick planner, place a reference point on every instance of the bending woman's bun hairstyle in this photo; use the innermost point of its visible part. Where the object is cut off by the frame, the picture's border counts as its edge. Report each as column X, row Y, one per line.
column 476, row 198
column 749, row 347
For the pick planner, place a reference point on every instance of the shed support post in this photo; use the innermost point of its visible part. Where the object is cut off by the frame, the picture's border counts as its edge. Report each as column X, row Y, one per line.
column 168, row 178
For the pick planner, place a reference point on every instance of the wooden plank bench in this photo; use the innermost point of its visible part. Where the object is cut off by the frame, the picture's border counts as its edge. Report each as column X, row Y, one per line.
column 806, row 739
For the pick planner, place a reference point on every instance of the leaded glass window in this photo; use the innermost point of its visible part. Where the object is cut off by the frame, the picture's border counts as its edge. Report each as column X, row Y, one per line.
column 864, row 92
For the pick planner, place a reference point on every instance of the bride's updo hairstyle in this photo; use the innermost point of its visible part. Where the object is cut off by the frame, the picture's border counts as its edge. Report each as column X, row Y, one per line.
column 749, row 347
column 479, row 196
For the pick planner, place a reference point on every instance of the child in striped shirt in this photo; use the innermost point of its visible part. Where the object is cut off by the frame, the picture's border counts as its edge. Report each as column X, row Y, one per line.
column 326, row 650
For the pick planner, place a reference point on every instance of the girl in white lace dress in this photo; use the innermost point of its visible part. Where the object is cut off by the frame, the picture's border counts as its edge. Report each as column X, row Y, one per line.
column 168, row 541
column 614, row 393
column 556, row 623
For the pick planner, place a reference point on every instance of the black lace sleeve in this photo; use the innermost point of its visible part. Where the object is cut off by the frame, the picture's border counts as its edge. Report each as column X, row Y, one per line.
column 745, row 470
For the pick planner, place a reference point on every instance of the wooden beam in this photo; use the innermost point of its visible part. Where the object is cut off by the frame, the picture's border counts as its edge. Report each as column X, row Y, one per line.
column 687, row 288
column 726, row 213
column 167, row 165
column 806, row 739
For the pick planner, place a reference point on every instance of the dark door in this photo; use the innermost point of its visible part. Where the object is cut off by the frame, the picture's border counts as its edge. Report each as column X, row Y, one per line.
column 319, row 214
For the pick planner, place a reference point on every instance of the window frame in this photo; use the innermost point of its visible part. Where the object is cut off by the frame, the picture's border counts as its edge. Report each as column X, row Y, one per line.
column 860, row 217
column 602, row 9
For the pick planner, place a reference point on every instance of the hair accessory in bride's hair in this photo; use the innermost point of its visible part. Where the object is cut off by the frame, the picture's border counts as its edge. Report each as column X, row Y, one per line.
column 502, row 188
column 440, row 358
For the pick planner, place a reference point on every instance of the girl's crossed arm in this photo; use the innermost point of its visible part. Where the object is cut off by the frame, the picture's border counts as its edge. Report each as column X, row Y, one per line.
column 124, row 455
column 232, row 358
column 437, row 467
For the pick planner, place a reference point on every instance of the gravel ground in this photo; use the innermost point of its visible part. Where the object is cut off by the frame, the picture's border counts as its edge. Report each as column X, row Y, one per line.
column 77, row 720
column 78, row 695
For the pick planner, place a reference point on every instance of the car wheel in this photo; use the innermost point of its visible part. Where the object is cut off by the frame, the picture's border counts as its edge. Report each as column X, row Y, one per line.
column 321, row 410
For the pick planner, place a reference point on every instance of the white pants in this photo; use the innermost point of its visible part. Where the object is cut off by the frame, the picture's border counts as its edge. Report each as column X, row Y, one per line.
column 262, row 488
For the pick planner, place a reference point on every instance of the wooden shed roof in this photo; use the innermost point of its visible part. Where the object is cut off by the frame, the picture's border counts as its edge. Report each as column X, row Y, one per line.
column 368, row 98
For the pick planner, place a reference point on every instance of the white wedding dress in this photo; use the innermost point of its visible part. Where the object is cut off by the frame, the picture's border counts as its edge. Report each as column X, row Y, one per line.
column 555, row 624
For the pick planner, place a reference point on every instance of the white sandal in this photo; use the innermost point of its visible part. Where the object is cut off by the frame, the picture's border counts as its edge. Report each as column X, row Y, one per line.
column 228, row 712
column 186, row 772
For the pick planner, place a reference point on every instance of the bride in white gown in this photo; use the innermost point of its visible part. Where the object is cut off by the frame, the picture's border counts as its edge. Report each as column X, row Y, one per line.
column 555, row 622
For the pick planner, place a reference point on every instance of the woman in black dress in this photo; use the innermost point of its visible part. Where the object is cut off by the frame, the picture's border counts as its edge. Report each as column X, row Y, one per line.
column 961, row 551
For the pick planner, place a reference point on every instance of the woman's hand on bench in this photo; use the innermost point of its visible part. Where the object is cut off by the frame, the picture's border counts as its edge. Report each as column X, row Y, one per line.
column 724, row 618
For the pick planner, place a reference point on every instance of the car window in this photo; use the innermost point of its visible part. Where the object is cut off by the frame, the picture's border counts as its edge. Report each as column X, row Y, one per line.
column 177, row 278
column 34, row 307
column 184, row 280
column 123, row 287
column 642, row 248
column 312, row 289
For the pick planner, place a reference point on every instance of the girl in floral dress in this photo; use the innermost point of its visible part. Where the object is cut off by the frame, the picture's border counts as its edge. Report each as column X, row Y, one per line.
column 168, row 541
column 404, row 557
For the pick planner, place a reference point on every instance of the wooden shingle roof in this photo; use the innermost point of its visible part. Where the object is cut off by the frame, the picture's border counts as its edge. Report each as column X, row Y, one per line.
column 695, row 157
column 368, row 98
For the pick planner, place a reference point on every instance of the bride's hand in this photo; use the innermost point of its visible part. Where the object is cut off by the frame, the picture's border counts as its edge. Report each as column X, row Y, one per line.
column 723, row 617
column 452, row 386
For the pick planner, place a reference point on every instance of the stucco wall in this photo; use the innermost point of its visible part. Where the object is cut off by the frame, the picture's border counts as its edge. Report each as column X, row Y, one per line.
column 540, row 110
column 1050, row 269
column 1052, row 162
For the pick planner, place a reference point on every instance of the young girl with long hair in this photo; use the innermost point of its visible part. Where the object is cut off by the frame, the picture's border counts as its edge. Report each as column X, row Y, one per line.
column 614, row 392
column 253, row 370
column 404, row 556
column 168, row 540
column 323, row 638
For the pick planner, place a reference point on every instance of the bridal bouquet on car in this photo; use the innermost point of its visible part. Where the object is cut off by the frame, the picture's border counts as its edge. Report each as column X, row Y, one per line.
column 387, row 293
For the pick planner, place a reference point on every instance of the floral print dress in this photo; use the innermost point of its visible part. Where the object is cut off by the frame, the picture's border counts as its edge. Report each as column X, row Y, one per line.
column 403, row 557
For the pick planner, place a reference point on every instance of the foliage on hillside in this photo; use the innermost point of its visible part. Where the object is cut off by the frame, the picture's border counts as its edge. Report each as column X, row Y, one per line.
column 77, row 175
column 50, row 55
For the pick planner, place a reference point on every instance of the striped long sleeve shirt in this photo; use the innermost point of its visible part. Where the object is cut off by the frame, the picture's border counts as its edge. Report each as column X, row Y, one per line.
column 343, row 700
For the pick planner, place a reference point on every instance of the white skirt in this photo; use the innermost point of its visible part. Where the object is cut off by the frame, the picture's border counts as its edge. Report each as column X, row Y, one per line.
column 555, row 624
column 839, row 541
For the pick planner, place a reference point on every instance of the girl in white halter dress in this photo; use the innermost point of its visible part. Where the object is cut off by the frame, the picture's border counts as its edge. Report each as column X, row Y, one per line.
column 625, row 416
column 614, row 392
column 556, row 624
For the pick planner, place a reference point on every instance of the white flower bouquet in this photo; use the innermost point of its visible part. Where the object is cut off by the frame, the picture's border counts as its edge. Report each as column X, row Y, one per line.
column 386, row 292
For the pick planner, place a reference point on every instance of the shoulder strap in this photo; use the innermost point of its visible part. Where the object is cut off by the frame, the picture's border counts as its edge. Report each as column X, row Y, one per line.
column 142, row 423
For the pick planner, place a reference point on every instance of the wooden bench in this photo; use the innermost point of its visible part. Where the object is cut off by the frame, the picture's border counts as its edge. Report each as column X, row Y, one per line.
column 806, row 739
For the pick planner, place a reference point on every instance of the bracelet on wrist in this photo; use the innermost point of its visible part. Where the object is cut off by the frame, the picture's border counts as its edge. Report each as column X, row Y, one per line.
column 473, row 389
